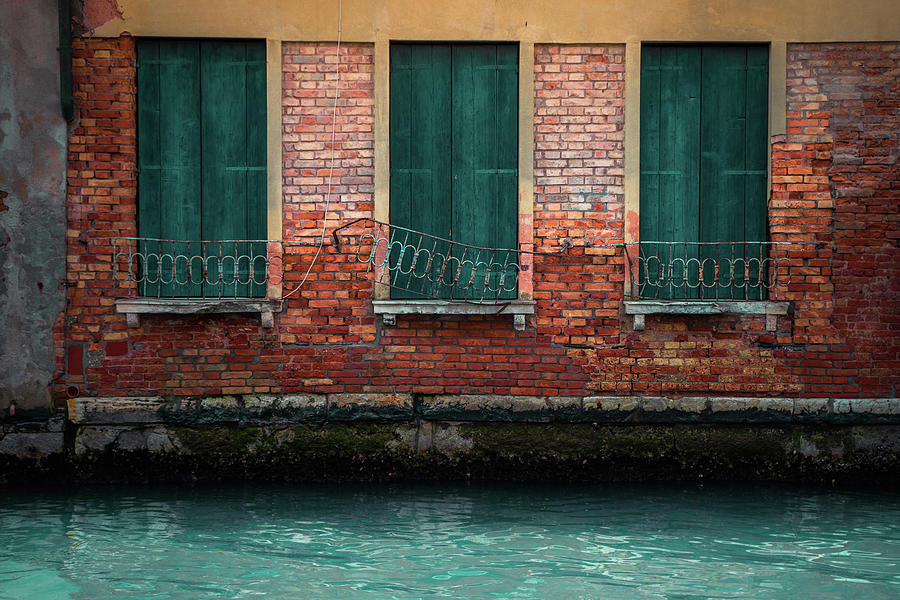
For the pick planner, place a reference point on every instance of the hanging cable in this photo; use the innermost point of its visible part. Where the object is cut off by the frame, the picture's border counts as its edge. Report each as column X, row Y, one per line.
column 337, row 92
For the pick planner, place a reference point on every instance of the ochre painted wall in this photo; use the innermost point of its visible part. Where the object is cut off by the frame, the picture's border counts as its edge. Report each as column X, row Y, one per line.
column 590, row 21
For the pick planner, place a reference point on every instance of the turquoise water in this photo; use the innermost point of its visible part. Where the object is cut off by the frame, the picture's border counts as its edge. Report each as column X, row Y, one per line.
column 450, row 542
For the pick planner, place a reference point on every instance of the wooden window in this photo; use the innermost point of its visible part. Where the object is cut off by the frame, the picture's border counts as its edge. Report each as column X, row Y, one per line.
column 704, row 152
column 454, row 147
column 202, row 165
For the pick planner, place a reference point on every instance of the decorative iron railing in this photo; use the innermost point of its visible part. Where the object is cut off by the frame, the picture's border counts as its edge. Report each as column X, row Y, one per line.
column 415, row 264
column 707, row 270
column 191, row 269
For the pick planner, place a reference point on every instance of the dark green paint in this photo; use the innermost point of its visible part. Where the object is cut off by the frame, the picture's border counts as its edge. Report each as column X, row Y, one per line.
column 202, row 160
column 420, row 158
column 704, row 121
column 454, row 151
column 670, row 165
column 169, row 159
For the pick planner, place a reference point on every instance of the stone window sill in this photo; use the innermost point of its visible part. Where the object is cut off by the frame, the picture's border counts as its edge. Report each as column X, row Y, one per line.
column 132, row 308
column 389, row 309
column 640, row 308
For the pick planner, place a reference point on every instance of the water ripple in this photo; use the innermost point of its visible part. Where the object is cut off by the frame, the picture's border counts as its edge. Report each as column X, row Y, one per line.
column 450, row 542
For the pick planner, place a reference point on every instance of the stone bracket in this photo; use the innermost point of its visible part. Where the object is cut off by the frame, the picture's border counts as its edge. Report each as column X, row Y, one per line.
column 519, row 322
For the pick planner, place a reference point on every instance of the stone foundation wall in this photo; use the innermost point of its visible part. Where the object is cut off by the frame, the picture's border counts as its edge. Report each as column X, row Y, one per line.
column 346, row 437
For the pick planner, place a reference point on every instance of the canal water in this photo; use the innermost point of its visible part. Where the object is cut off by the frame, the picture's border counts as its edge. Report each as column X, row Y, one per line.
column 450, row 542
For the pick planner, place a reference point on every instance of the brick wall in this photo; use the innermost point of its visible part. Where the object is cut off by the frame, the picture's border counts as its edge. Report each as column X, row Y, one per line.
column 836, row 174
column 101, row 203
column 834, row 188
column 579, row 171
column 329, row 308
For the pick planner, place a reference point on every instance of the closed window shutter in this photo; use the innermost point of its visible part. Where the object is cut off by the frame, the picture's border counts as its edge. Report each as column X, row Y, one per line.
column 169, row 125
column 202, row 163
column 420, row 159
column 670, row 158
column 733, row 162
column 485, row 161
column 234, row 163
column 454, row 155
column 704, row 122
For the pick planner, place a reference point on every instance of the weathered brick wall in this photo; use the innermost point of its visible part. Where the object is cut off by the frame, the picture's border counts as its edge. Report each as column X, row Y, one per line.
column 834, row 188
column 329, row 308
column 326, row 328
column 329, row 331
column 101, row 204
column 579, row 173
column 96, row 350
column 836, row 176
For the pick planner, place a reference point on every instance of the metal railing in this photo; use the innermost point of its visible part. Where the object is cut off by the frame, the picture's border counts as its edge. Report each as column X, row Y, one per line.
column 707, row 270
column 415, row 264
column 419, row 265
column 191, row 269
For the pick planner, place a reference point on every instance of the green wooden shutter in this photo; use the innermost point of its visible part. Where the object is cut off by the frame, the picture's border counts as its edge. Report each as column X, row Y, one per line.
column 704, row 118
column 454, row 149
column 420, row 160
column 670, row 165
column 169, row 162
column 233, row 84
column 484, row 163
column 733, row 161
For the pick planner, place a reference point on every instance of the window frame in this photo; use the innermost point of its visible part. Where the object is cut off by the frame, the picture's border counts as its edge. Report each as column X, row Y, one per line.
column 436, row 66
column 266, row 206
column 776, row 110
column 133, row 307
column 524, row 305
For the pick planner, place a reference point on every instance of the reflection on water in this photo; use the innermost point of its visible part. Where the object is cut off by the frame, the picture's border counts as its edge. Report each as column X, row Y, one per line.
column 450, row 542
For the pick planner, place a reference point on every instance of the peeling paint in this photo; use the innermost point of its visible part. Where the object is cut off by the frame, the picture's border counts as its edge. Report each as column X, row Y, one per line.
column 88, row 15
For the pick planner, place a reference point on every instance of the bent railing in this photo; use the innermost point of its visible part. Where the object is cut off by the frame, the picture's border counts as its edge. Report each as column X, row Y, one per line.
column 416, row 264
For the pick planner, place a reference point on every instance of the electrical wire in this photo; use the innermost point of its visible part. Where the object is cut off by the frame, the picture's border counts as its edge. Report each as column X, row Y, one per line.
column 337, row 92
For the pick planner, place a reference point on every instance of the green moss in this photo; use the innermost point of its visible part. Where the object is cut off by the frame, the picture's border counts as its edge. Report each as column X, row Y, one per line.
column 350, row 438
column 532, row 451
column 736, row 442
column 222, row 439
column 566, row 440
column 825, row 440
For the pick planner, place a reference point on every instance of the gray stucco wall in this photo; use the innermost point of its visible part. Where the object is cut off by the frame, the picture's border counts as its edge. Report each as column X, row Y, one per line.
column 32, row 201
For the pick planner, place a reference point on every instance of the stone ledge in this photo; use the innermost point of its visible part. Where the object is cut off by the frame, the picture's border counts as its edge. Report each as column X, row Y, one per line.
column 256, row 408
column 320, row 408
column 32, row 439
column 639, row 308
column 133, row 307
column 389, row 309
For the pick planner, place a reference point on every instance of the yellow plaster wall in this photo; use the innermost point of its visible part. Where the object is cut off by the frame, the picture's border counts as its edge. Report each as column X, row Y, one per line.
column 561, row 21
